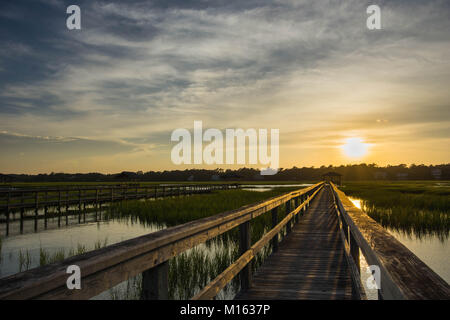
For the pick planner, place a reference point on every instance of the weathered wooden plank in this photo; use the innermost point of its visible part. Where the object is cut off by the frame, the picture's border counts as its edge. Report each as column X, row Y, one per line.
column 220, row 281
column 403, row 274
column 310, row 262
column 296, row 294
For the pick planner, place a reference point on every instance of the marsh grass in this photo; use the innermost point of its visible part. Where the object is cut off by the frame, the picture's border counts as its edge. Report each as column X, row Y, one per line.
column 100, row 244
column 25, row 259
column 128, row 290
column 192, row 270
column 174, row 211
column 414, row 208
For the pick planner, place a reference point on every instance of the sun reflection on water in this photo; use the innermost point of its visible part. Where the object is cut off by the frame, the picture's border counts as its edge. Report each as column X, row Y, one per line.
column 356, row 202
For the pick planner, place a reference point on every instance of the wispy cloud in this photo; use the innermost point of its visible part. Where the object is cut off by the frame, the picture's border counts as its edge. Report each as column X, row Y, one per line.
column 139, row 69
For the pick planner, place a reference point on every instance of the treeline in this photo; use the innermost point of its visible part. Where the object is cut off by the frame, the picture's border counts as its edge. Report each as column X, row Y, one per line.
column 348, row 172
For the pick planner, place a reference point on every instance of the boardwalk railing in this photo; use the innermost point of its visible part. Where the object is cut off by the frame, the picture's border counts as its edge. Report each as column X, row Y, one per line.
column 249, row 252
column 23, row 200
column 148, row 255
column 402, row 274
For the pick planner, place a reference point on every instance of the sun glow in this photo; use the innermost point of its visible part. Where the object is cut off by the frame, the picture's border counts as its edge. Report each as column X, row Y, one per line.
column 355, row 148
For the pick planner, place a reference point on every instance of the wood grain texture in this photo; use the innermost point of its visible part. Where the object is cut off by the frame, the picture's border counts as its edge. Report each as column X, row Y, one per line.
column 310, row 262
column 403, row 274
column 211, row 290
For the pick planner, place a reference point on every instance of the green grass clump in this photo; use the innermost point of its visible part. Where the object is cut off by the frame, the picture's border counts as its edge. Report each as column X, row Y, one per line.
column 129, row 290
column 100, row 244
column 24, row 260
column 192, row 270
column 175, row 211
column 45, row 257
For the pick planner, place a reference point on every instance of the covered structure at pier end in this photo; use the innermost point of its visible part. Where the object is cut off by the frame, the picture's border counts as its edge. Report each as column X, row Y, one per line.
column 332, row 176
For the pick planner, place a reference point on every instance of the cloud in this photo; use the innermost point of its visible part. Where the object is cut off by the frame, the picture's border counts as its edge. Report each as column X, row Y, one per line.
column 64, row 146
column 139, row 69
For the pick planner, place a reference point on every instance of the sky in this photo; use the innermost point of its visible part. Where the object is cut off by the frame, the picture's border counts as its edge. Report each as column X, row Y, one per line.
column 106, row 98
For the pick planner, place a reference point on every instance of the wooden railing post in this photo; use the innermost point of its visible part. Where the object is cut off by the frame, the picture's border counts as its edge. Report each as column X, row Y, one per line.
column 274, row 223
column 36, row 211
column 96, row 204
column 288, row 209
column 21, row 213
column 67, row 207
column 67, row 200
column 79, row 205
column 84, row 209
column 346, row 230
column 354, row 251
column 7, row 213
column 244, row 245
column 45, row 210
column 155, row 284
column 304, row 197
column 59, row 208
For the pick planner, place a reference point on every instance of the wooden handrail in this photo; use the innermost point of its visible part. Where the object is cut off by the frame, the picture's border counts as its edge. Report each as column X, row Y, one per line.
column 106, row 187
column 106, row 267
column 114, row 187
column 213, row 288
column 351, row 255
column 403, row 274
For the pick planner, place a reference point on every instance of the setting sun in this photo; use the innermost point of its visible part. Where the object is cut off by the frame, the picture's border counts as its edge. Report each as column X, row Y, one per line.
column 355, row 148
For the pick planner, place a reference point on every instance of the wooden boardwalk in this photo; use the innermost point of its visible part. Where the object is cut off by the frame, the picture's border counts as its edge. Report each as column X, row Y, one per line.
column 318, row 259
column 27, row 200
column 310, row 262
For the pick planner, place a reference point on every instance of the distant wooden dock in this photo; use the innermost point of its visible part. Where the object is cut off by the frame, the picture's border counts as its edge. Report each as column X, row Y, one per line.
column 24, row 200
column 316, row 238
